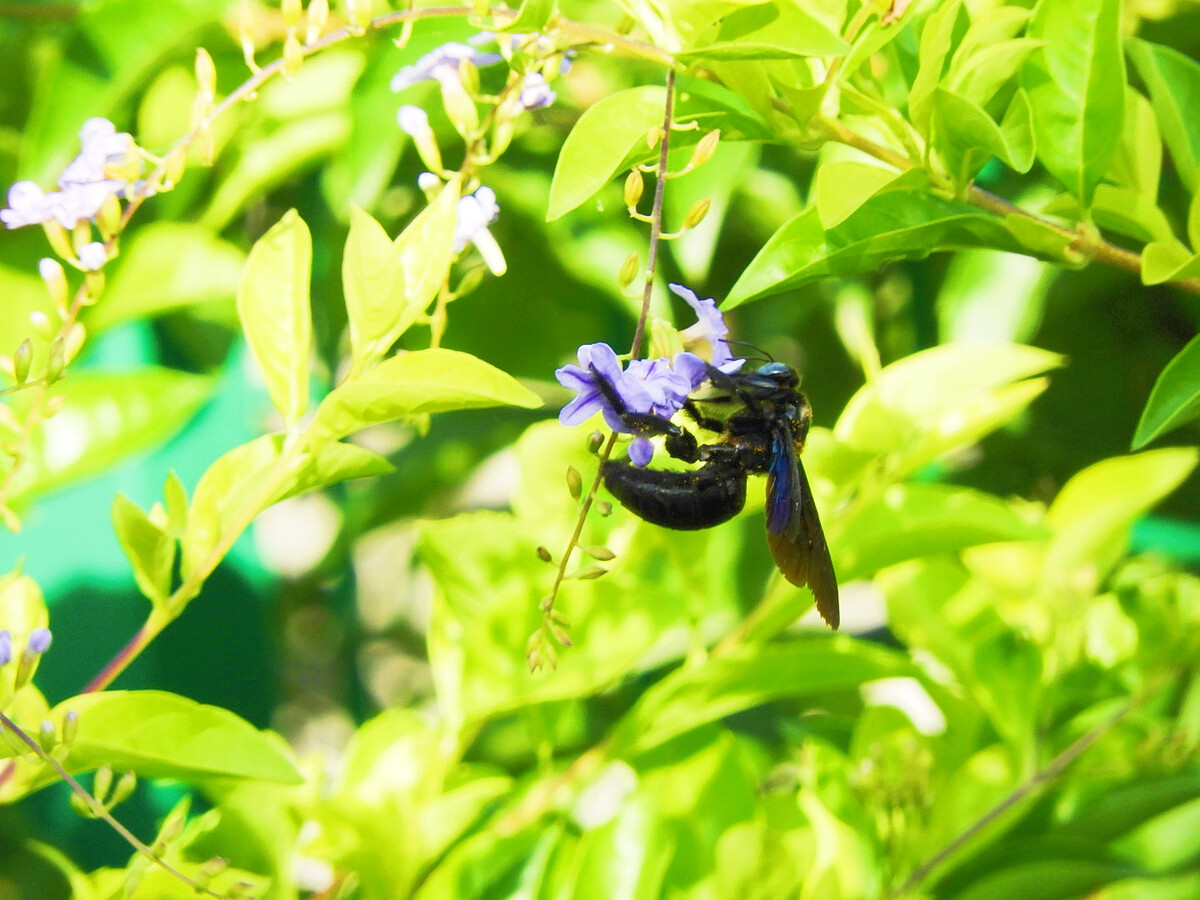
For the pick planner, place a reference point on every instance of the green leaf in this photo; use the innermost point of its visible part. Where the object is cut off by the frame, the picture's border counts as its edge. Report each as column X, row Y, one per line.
column 532, row 15
column 990, row 54
column 162, row 735
column 910, row 521
column 273, row 304
column 150, row 549
column 768, row 31
column 944, row 394
column 752, row 676
column 107, row 418
column 966, row 136
column 164, row 267
column 1173, row 80
column 1138, row 163
column 419, row 383
column 425, row 249
column 943, row 30
column 1076, row 87
column 894, row 224
column 1131, row 212
column 1167, row 260
column 373, row 284
column 176, row 502
column 611, row 135
column 842, row 186
column 1175, row 398
column 1093, row 512
column 1049, row 879
column 332, row 464
column 599, row 142
column 222, row 492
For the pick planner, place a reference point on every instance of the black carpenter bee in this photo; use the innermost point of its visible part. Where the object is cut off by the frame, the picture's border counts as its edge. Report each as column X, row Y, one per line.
column 763, row 421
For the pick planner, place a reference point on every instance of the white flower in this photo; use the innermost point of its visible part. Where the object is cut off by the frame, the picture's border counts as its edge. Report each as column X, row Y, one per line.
column 475, row 213
column 535, row 92
column 441, row 62
column 93, row 257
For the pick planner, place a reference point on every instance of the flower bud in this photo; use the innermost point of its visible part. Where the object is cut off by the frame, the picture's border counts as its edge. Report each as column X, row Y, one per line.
column 629, row 270
column 574, row 482
column 697, row 213
column 5, row 647
column 560, row 634
column 206, row 74
column 47, row 735
column 318, row 15
column 176, row 163
column 60, row 241
column 595, row 439
column 108, row 220
column 22, row 360
column 55, row 280
column 460, row 108
column 633, row 188
column 57, row 361
column 245, row 30
column 126, row 785
column 76, row 335
column 705, row 149
column 93, row 256
column 102, row 783
column 359, row 13
column 41, row 324
column 601, row 553
column 604, row 508
column 293, row 55
column 70, row 726
column 292, row 11
column 415, row 123
column 591, row 573
column 544, row 555
column 429, row 184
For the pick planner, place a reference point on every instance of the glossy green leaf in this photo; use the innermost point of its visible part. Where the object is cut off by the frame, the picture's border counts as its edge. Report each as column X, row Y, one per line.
column 1168, row 842
column 176, row 503
column 532, row 15
column 689, row 698
column 948, row 390
column 373, row 284
column 162, row 735
column 1167, row 260
column 167, row 266
column 150, row 549
column 487, row 863
column 842, row 186
column 419, row 383
column 107, row 417
column 989, row 69
column 1175, row 398
column 768, row 31
column 425, row 249
column 1093, row 512
column 1173, row 80
column 944, row 28
column 234, row 480
column 273, row 305
column 332, row 464
column 913, row 520
column 611, row 135
column 1076, row 87
column 1131, row 212
column 967, row 137
column 1138, row 163
column 896, row 223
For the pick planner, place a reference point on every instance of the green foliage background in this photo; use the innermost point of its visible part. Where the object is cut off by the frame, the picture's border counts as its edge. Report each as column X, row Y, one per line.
column 1018, row 663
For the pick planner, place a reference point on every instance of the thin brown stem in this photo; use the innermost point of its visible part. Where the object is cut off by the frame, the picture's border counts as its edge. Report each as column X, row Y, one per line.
column 98, row 809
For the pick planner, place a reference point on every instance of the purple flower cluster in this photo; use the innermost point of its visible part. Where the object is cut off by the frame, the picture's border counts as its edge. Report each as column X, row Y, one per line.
column 656, row 387
column 84, row 186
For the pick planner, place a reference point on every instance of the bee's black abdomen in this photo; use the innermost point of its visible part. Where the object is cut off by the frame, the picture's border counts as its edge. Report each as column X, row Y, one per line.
column 687, row 501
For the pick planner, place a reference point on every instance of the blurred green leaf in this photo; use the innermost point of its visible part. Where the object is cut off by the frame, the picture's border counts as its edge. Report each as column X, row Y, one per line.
column 490, row 864
column 107, row 418
column 1093, row 512
column 897, row 223
column 425, row 249
column 925, row 404
column 1080, row 63
column 167, row 266
column 373, row 284
column 748, row 677
column 987, row 295
column 1167, row 842
column 1124, row 807
column 1167, row 260
column 1173, row 80
column 913, row 520
column 1049, row 879
column 150, row 549
column 273, row 305
column 419, row 383
column 1138, row 163
column 946, row 25
column 768, row 31
column 163, row 735
column 1175, row 398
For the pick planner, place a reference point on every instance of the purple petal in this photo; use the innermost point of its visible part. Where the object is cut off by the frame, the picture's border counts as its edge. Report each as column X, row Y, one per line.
column 641, row 451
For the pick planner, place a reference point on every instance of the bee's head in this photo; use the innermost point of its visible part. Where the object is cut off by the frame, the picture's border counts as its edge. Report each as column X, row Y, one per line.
column 780, row 373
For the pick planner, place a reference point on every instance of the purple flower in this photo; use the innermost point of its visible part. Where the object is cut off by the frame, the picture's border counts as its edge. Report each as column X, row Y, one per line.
column 441, row 62
column 535, row 92
column 39, row 640
column 413, row 121
column 103, row 148
column 646, row 386
column 475, row 213
column 5, row 647
column 709, row 331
